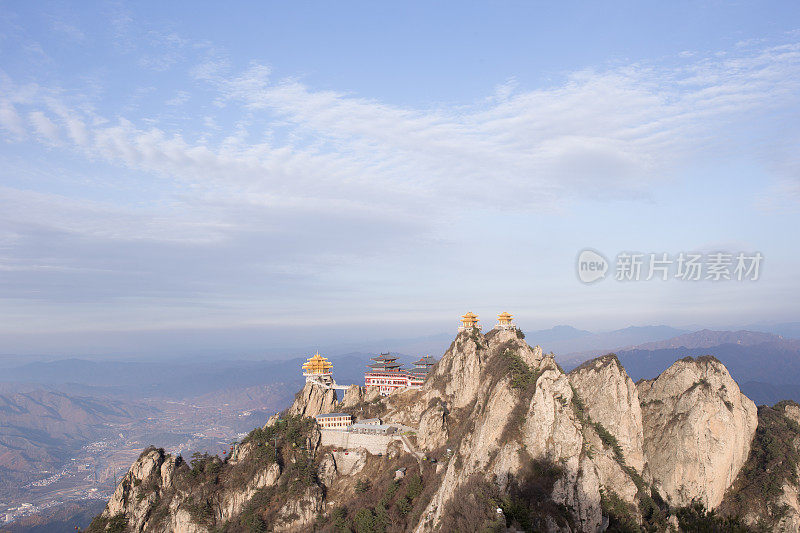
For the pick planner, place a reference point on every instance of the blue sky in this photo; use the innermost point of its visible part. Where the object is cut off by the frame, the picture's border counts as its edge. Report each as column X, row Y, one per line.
column 381, row 168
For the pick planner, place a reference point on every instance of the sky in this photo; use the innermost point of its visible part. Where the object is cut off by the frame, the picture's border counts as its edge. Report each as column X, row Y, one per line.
column 178, row 173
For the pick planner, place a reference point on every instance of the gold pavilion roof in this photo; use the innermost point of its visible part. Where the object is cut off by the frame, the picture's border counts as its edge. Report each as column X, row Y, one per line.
column 316, row 364
column 505, row 317
column 469, row 319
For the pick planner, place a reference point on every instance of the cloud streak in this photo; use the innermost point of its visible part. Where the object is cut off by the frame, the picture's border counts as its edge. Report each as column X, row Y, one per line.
column 309, row 182
column 600, row 132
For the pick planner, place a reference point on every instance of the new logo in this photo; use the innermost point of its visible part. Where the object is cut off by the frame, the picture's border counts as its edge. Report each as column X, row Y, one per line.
column 591, row 266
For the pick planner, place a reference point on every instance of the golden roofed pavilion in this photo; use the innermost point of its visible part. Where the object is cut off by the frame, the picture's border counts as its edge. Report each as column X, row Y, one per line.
column 469, row 321
column 316, row 365
column 504, row 321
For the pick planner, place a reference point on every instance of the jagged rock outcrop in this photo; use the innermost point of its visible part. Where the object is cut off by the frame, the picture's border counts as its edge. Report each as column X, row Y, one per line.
column 789, row 501
column 611, row 398
column 298, row 513
column 432, row 432
column 697, row 430
column 509, row 419
column 326, row 472
column 612, row 473
column 313, row 400
column 232, row 502
column 271, row 421
column 150, row 481
column 459, row 370
column 792, row 411
column 372, row 394
column 353, row 396
column 552, row 430
column 351, row 462
column 145, row 470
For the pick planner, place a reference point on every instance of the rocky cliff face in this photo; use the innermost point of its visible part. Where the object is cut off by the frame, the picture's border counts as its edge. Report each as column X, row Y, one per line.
column 697, row 430
column 353, row 395
column 612, row 399
column 161, row 493
column 313, row 400
column 504, row 406
column 497, row 423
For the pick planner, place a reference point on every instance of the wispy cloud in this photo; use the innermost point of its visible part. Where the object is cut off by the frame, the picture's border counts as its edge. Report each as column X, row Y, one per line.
column 69, row 30
column 43, row 126
column 306, row 178
column 180, row 98
column 781, row 197
column 600, row 132
column 10, row 119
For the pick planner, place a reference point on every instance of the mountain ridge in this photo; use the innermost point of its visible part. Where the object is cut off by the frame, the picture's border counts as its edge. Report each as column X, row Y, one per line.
column 495, row 417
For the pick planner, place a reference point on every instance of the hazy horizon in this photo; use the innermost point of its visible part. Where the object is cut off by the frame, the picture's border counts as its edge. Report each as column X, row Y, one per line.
column 256, row 343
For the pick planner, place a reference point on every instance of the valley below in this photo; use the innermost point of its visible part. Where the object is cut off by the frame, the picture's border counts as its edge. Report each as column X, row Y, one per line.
column 63, row 448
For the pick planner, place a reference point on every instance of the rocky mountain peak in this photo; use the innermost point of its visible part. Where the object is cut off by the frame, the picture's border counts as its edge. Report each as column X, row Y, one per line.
column 697, row 429
column 457, row 374
column 612, row 399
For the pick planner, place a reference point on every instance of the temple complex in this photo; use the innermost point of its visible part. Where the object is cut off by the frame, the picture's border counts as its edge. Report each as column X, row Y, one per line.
column 385, row 372
column 318, row 369
column 504, row 321
column 388, row 375
column 469, row 322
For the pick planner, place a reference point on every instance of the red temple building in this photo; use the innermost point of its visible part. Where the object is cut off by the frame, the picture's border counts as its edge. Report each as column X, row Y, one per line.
column 385, row 372
column 388, row 375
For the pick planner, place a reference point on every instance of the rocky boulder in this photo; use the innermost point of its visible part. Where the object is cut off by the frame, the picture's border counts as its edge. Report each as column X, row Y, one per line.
column 791, row 411
column 698, row 428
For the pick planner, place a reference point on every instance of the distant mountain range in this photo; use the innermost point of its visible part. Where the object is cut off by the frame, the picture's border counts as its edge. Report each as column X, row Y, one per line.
column 766, row 366
column 566, row 340
column 707, row 338
column 646, row 349
column 174, row 379
column 788, row 329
